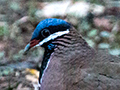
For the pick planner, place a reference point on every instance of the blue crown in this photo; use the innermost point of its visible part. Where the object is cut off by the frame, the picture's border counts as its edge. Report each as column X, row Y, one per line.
column 46, row 23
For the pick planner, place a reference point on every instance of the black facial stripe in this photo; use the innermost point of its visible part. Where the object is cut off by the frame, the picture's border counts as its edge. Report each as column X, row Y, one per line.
column 53, row 29
column 57, row 28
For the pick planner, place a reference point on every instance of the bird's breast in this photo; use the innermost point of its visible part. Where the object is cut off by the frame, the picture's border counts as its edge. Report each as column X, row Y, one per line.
column 53, row 75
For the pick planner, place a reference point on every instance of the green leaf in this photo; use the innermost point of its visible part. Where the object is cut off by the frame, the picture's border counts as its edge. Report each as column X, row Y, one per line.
column 92, row 33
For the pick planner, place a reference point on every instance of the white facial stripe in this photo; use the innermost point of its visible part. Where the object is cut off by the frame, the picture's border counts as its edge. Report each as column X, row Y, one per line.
column 52, row 37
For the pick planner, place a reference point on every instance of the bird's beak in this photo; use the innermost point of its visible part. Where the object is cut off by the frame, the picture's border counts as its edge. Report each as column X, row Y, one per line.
column 30, row 45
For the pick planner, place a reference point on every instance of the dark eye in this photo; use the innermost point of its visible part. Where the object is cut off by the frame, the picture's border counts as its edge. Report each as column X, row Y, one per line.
column 45, row 32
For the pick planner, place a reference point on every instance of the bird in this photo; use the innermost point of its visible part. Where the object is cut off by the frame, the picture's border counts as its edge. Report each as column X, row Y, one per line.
column 69, row 63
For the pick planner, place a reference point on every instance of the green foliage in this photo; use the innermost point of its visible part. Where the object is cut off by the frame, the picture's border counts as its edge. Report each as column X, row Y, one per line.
column 4, row 30
column 14, row 6
column 1, row 31
column 5, row 71
column 96, row 1
column 2, row 54
column 103, row 45
column 90, row 42
column 32, row 8
column 104, row 34
column 92, row 33
column 18, row 56
column 115, row 51
column 85, row 26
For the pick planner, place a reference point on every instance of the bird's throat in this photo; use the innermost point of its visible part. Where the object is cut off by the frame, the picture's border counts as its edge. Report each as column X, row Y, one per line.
column 49, row 49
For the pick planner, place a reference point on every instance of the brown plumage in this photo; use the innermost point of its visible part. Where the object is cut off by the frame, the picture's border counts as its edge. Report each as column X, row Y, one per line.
column 74, row 65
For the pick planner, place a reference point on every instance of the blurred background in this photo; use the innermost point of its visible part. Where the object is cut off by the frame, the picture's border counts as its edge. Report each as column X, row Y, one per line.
column 97, row 20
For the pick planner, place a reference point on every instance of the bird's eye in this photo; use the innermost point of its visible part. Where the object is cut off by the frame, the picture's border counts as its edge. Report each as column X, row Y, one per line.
column 45, row 32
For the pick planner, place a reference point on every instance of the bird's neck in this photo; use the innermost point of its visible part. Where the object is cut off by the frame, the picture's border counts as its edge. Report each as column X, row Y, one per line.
column 49, row 49
column 68, row 45
column 73, row 44
column 70, row 53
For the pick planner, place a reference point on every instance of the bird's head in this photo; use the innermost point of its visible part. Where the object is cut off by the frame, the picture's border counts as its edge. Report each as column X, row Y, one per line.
column 46, row 31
